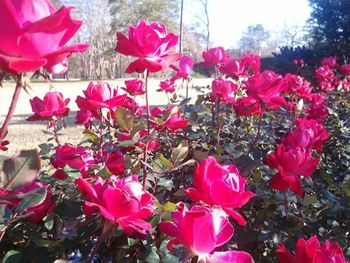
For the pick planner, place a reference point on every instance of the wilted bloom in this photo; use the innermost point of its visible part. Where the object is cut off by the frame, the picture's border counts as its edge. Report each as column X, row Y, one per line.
column 120, row 201
column 292, row 163
column 114, row 161
column 201, row 230
column 167, row 85
column 169, row 118
column 34, row 34
column 214, row 56
column 151, row 43
column 37, row 212
column 53, row 105
column 223, row 89
column 74, row 157
column 311, row 251
column 184, row 69
column 98, row 96
column 266, row 89
column 134, row 87
column 220, row 185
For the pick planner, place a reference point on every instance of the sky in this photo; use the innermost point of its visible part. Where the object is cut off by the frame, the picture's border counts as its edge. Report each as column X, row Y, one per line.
column 230, row 18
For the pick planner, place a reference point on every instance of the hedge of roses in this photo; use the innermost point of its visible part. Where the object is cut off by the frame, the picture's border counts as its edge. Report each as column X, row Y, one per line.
column 256, row 170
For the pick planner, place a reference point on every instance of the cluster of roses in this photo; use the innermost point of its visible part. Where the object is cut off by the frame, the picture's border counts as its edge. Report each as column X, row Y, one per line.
column 330, row 75
column 297, row 155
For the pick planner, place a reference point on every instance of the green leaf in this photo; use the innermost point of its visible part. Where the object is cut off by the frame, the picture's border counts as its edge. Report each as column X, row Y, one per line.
column 21, row 170
column 92, row 137
column 346, row 187
column 179, row 153
column 165, row 161
column 12, row 256
column 32, row 198
column 309, row 200
column 123, row 118
column 152, row 256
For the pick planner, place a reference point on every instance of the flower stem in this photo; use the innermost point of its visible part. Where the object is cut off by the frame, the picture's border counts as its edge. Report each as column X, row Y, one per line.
column 145, row 150
column 5, row 125
column 259, row 129
column 55, row 132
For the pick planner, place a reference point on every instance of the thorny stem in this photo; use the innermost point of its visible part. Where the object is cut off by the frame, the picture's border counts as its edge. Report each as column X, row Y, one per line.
column 55, row 132
column 17, row 92
column 286, row 203
column 259, row 129
column 145, row 150
column 217, row 120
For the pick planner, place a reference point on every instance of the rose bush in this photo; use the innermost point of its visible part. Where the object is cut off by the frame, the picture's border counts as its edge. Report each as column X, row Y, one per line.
column 253, row 165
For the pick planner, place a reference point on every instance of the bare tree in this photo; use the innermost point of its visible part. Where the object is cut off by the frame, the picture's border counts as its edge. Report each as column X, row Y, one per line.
column 205, row 20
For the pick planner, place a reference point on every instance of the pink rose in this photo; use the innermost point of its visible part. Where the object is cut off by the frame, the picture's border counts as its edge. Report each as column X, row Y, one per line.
column 34, row 35
column 223, row 89
column 292, row 163
column 120, row 201
column 311, row 251
column 214, row 56
column 38, row 212
column 53, row 105
column 167, row 85
column 134, row 87
column 98, row 96
column 266, row 89
column 220, row 185
column 75, row 157
column 169, row 118
column 184, row 69
column 201, row 230
column 151, row 44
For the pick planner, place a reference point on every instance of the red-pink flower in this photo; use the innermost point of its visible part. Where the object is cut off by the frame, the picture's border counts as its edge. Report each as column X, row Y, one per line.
column 3, row 145
column 38, row 212
column 296, row 85
column 311, row 251
column 220, row 185
column 345, row 69
column 214, row 56
column 34, row 34
column 201, row 230
column 53, row 105
column 184, row 69
column 233, row 68
column 114, row 161
column 223, row 89
column 84, row 117
column 121, row 201
column 98, row 96
column 134, row 87
column 307, row 134
column 151, row 43
column 252, row 61
column 292, row 163
column 318, row 112
column 75, row 157
column 330, row 62
column 247, row 106
column 167, row 85
column 266, row 89
column 169, row 118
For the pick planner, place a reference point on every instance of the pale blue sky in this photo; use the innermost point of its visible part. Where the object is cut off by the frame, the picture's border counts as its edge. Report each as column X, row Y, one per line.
column 229, row 18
